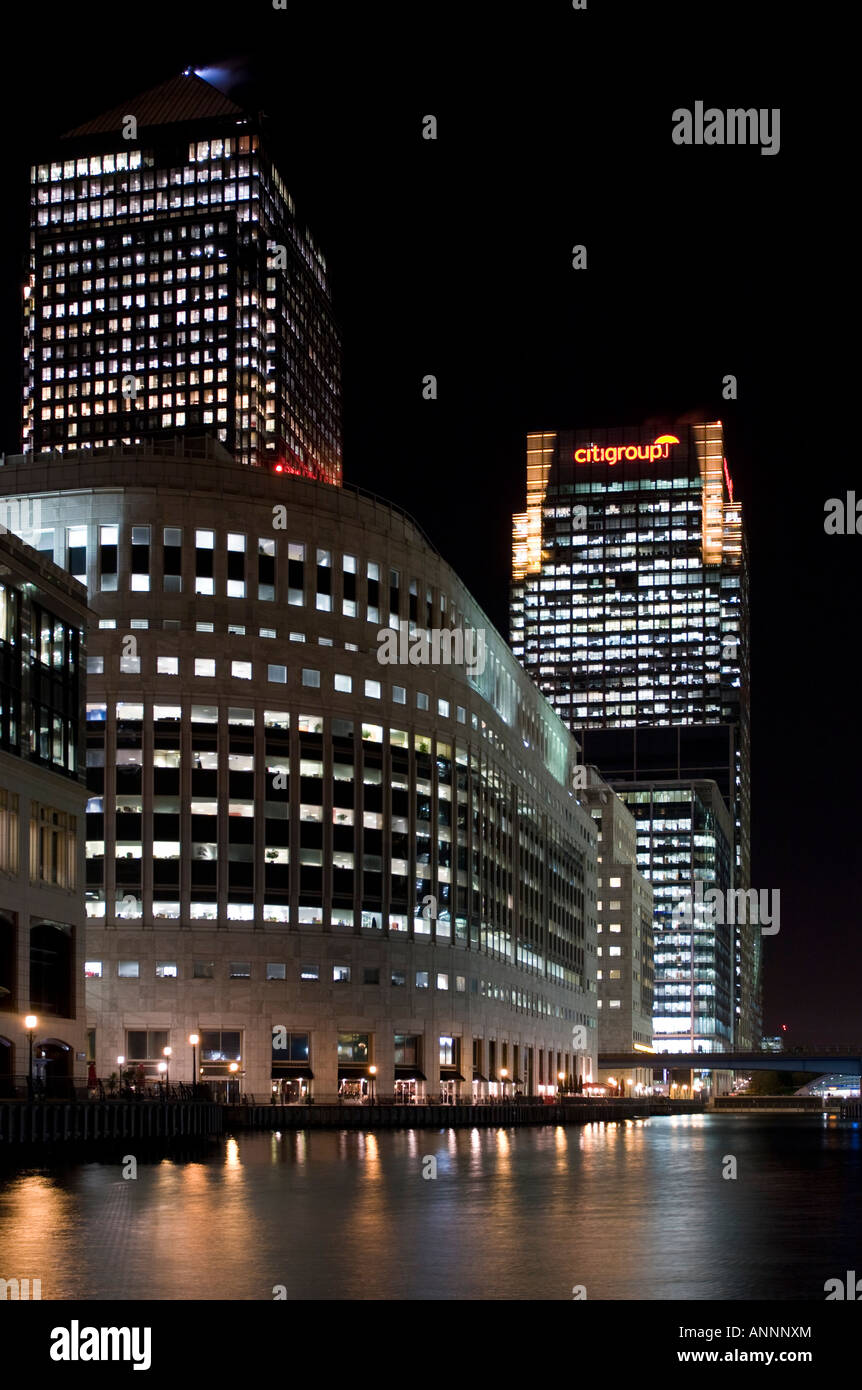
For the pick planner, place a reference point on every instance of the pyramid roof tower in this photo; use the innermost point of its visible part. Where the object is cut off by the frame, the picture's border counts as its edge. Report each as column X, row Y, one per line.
column 186, row 97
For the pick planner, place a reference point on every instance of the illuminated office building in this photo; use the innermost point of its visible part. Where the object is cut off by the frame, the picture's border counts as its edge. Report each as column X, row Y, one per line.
column 43, row 617
column 624, row 917
column 630, row 610
column 173, row 288
column 316, row 861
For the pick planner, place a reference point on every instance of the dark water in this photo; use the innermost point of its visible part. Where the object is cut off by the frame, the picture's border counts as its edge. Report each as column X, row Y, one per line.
column 637, row 1210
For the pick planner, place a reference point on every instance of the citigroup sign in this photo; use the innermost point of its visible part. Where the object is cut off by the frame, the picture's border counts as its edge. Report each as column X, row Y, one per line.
column 660, row 449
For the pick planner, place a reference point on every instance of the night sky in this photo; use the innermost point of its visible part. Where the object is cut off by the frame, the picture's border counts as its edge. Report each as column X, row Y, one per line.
column 454, row 258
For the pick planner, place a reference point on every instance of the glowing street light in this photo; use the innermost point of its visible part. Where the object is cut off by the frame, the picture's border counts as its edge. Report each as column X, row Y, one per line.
column 31, row 1023
column 372, row 1076
column 194, row 1039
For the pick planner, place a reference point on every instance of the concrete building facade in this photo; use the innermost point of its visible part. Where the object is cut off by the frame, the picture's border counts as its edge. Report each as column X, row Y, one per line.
column 624, row 914
column 42, row 800
column 331, row 823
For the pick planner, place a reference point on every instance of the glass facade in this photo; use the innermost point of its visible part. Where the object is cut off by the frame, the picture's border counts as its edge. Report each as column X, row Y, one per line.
column 173, row 288
column 629, row 608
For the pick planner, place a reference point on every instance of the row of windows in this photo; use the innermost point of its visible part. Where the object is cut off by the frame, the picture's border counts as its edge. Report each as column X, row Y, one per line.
column 53, row 842
column 277, row 970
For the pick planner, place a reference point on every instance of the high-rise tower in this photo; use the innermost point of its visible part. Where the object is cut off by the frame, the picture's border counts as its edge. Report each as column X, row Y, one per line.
column 174, row 289
column 630, row 610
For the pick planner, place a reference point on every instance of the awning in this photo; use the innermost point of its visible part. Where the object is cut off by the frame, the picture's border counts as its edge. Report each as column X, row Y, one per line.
column 287, row 1071
column 356, row 1072
column 409, row 1074
column 450, row 1074
column 477, row 1076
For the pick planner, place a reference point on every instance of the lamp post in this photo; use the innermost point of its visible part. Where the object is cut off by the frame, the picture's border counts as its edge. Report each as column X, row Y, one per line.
column 372, row 1077
column 162, row 1070
column 167, row 1055
column 194, row 1039
column 120, row 1061
column 233, row 1069
column 504, row 1073
column 561, row 1076
column 31, row 1023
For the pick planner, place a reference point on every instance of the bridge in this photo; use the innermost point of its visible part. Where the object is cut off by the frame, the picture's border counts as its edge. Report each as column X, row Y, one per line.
column 844, row 1061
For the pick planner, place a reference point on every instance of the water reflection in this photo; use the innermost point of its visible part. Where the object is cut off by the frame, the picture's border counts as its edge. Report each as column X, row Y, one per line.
column 631, row 1210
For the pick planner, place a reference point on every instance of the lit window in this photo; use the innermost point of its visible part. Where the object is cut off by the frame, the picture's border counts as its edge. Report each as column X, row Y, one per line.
column 343, row 683
column 168, row 665
column 204, row 666
column 277, row 674
column 241, row 670
column 310, row 677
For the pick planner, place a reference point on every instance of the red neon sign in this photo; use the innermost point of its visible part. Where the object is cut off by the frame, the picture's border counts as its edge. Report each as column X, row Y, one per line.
column 727, row 480
column 614, row 452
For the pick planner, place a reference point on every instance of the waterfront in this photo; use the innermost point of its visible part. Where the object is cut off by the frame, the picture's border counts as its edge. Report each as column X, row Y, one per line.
column 631, row 1211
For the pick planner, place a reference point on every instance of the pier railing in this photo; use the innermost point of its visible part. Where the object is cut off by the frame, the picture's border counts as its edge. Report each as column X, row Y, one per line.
column 57, row 1121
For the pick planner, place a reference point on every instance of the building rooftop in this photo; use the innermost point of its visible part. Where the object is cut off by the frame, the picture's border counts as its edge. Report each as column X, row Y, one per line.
column 186, row 97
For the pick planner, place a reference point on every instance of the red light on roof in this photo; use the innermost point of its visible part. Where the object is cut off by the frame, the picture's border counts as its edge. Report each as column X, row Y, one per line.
column 279, row 468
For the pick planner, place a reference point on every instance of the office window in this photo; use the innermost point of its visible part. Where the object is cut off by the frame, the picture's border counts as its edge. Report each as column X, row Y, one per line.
column 343, row 684
column 76, row 541
column 241, row 670
column 372, row 690
column 140, row 561
column 296, row 575
column 172, row 556
column 128, row 969
column 266, row 571
column 53, row 846
column 276, row 970
column 239, row 970
column 204, row 666
column 310, row 973
column 324, row 581
column 276, row 674
column 166, row 970
column 108, row 542
column 340, row 974
column 348, row 579
column 146, row 1045
column 204, row 571
column 92, row 970
column 399, row 695
column 310, row 677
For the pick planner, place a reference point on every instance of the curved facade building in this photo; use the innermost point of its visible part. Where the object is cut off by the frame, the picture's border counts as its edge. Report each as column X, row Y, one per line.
column 330, row 826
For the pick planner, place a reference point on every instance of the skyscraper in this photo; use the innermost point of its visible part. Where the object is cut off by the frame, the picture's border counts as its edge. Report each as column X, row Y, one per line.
column 316, row 861
column 630, row 610
column 174, row 289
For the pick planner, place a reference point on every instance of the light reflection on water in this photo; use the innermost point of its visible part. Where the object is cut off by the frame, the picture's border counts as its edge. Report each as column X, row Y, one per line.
column 636, row 1210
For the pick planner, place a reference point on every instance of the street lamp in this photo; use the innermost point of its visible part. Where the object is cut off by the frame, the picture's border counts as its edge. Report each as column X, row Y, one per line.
column 167, row 1054
column 194, row 1040
column 561, row 1076
column 233, row 1068
column 504, row 1072
column 372, row 1076
column 162, row 1070
column 31, row 1023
